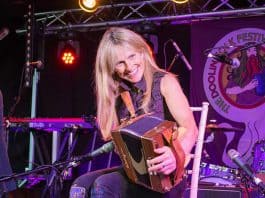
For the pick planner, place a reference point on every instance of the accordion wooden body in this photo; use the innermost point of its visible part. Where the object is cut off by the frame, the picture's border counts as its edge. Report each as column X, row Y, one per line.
column 135, row 142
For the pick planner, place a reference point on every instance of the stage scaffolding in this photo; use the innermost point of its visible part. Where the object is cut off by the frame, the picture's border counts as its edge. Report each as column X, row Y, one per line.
column 158, row 11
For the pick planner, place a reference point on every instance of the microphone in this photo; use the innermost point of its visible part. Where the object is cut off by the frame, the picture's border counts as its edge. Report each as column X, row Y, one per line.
column 105, row 148
column 223, row 58
column 181, row 55
column 3, row 33
column 235, row 157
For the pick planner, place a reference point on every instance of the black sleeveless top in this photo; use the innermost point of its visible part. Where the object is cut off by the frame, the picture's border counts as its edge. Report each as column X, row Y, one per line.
column 157, row 104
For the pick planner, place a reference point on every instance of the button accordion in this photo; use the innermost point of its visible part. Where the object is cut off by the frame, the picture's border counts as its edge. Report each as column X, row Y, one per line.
column 135, row 141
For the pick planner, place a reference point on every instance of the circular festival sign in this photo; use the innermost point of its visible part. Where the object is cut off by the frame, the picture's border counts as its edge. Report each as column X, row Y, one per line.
column 237, row 91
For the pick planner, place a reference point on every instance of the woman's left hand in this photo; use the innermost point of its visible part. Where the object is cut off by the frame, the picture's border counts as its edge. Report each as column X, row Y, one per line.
column 165, row 163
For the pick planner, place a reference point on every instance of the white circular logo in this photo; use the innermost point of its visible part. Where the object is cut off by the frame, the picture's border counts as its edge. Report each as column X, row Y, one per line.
column 237, row 91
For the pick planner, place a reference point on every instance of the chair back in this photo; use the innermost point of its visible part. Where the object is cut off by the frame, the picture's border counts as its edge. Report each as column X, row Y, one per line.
column 198, row 148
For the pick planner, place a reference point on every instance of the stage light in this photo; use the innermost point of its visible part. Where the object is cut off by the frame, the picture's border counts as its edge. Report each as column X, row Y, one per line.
column 68, row 57
column 180, row 1
column 88, row 5
column 68, row 52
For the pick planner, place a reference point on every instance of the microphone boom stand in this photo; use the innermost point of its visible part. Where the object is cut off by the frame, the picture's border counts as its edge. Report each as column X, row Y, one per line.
column 55, row 167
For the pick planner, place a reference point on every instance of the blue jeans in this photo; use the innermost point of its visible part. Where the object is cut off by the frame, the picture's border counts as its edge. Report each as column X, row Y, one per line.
column 113, row 183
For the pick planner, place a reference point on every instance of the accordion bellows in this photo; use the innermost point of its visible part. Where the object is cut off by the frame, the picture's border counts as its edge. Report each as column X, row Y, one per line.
column 135, row 141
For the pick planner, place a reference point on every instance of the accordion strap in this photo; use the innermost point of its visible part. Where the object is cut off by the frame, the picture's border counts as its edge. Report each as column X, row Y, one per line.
column 126, row 98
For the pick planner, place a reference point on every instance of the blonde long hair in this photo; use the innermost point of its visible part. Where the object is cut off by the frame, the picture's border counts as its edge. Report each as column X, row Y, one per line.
column 107, row 86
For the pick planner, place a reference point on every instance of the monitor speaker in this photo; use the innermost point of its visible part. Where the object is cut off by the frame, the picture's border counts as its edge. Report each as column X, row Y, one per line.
column 217, row 192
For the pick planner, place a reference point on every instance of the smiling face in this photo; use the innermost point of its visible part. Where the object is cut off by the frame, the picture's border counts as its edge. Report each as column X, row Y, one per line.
column 129, row 63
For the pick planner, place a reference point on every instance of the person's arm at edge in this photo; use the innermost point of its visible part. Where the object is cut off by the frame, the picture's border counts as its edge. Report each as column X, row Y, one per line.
column 179, row 108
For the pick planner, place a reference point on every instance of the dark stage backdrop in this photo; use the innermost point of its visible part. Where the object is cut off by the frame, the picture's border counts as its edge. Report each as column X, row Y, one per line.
column 236, row 95
column 69, row 92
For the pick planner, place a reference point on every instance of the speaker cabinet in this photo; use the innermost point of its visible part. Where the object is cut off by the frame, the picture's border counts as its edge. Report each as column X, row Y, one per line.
column 217, row 192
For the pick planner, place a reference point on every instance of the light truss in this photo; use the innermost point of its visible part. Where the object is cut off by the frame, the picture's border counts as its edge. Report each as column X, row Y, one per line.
column 143, row 11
